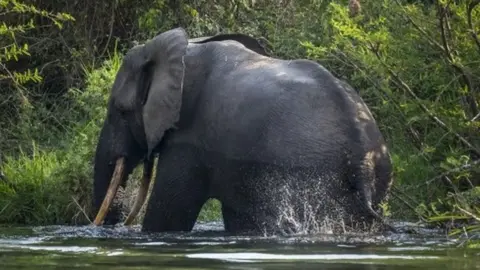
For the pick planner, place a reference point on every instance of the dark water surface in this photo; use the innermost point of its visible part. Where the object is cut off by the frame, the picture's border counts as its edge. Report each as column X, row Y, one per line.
column 207, row 247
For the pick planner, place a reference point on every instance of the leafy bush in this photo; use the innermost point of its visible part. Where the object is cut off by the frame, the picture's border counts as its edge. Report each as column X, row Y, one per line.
column 15, row 77
column 54, row 185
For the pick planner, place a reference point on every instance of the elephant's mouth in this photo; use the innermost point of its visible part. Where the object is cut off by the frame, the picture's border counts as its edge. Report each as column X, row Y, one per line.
column 118, row 175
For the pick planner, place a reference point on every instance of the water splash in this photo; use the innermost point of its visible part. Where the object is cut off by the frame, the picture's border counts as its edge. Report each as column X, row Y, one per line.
column 306, row 206
column 299, row 217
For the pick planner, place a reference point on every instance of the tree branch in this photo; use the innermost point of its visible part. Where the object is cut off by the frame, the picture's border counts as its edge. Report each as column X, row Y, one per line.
column 468, row 213
column 112, row 23
column 465, row 75
column 430, row 39
column 454, row 170
column 471, row 29
column 407, row 88
column 396, row 192
column 443, row 20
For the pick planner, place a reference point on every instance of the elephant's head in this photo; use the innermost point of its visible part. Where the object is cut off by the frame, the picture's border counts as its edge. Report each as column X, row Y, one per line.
column 145, row 102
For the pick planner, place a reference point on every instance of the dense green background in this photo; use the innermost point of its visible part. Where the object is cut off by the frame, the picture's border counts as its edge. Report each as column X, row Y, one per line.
column 415, row 63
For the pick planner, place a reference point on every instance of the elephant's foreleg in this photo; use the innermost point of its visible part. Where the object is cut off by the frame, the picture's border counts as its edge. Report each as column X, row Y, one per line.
column 179, row 192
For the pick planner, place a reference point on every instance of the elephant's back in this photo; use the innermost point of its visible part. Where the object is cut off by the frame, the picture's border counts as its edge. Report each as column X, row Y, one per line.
column 276, row 111
column 273, row 111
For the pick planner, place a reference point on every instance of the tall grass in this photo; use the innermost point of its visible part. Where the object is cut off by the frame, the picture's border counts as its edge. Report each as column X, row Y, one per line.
column 51, row 181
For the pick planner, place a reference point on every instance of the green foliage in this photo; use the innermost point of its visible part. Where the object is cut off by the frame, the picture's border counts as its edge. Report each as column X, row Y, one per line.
column 10, row 49
column 35, row 196
column 15, row 97
column 54, row 185
column 416, row 66
column 210, row 211
column 459, row 211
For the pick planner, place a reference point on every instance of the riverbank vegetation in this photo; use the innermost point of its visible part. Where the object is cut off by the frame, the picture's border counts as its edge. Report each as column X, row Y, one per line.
column 416, row 64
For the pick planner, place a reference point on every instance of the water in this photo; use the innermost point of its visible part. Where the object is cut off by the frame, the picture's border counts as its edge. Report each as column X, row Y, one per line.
column 208, row 247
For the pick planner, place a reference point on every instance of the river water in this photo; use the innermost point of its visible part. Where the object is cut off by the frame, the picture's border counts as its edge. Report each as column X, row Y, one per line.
column 208, row 247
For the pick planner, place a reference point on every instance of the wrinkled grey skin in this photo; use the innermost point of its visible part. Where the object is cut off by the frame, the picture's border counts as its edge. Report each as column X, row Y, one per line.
column 235, row 125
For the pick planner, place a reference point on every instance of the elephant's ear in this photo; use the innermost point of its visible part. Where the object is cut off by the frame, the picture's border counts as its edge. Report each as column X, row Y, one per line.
column 125, row 91
column 165, row 54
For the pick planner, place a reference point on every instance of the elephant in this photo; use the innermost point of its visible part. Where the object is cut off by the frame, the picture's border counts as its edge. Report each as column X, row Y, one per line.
column 278, row 142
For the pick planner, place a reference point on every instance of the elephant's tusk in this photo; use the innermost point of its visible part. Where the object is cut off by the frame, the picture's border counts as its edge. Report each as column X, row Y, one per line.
column 142, row 192
column 111, row 192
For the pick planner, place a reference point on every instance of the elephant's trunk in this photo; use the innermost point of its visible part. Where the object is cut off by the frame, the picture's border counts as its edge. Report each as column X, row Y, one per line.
column 117, row 177
column 366, row 200
column 142, row 192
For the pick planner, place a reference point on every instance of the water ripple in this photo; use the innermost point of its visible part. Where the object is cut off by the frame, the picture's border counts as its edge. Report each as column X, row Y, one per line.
column 253, row 256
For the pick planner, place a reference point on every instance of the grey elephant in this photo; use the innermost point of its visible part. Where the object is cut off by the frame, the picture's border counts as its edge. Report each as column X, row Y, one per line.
column 277, row 142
